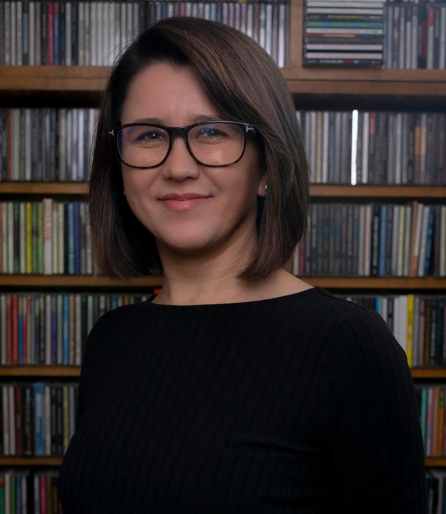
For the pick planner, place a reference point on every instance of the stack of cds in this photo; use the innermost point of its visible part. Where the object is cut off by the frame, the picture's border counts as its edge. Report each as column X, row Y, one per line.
column 343, row 33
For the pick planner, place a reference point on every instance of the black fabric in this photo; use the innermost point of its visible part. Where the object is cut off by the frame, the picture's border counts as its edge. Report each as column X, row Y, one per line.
column 299, row 404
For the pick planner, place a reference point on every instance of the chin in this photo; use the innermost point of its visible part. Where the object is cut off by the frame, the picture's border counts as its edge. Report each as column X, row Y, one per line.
column 187, row 245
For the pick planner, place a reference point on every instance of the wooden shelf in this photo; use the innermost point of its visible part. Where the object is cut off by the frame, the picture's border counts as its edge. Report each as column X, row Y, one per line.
column 91, row 79
column 316, row 190
column 429, row 373
column 81, row 281
column 333, row 283
column 74, row 372
column 30, row 461
column 377, row 283
column 431, row 462
column 372, row 191
column 40, row 371
column 300, row 80
column 43, row 188
column 366, row 81
column 435, row 462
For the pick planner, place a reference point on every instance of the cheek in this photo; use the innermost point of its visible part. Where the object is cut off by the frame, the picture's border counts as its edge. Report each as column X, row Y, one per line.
column 128, row 179
column 136, row 190
column 136, row 184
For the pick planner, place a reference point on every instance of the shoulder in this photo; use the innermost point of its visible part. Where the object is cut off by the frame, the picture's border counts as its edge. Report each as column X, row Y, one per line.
column 349, row 339
column 352, row 319
column 361, row 347
column 119, row 318
column 113, row 328
column 334, row 316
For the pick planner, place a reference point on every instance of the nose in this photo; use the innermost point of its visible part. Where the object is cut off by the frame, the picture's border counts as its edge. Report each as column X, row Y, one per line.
column 180, row 164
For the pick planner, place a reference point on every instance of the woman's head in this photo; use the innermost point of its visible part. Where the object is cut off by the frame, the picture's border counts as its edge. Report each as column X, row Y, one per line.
column 244, row 85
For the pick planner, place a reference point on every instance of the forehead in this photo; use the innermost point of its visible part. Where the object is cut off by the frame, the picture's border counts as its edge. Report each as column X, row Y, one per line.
column 170, row 93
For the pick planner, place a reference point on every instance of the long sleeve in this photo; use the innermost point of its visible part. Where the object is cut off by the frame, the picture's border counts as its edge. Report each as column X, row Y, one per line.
column 95, row 353
column 375, row 443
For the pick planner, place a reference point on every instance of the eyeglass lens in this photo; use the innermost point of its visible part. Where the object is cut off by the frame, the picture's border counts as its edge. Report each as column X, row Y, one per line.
column 212, row 144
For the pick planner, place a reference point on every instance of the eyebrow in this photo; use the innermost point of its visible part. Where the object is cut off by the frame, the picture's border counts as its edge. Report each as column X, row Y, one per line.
column 202, row 118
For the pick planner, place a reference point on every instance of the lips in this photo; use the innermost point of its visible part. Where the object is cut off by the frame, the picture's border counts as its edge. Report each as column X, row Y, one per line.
column 183, row 202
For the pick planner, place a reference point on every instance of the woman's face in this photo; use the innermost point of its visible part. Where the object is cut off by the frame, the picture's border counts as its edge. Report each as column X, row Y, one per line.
column 188, row 207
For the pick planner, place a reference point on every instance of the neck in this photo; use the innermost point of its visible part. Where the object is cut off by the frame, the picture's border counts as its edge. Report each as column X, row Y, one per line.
column 205, row 285
column 212, row 276
column 205, row 278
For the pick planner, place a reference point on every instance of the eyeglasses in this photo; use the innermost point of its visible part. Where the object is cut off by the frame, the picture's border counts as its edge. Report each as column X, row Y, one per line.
column 215, row 144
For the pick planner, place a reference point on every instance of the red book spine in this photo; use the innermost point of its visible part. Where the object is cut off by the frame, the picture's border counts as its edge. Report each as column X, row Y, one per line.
column 1, row 238
column 8, row 329
column 25, row 329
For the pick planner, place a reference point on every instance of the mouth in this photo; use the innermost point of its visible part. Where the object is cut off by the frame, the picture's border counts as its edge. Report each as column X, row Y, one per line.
column 183, row 202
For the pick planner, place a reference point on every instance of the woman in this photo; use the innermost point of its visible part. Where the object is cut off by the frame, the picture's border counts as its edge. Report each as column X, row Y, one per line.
column 238, row 388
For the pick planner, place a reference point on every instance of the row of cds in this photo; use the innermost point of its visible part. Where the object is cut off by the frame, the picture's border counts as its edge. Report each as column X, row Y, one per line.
column 343, row 147
column 95, row 33
column 48, row 237
column 416, row 321
column 378, row 240
column 415, row 36
column 38, row 419
column 436, row 490
column 26, row 491
column 46, row 144
column 52, row 328
column 375, row 147
column 432, row 405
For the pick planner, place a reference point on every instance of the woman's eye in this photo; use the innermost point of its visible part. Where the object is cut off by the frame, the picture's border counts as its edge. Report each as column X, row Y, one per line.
column 150, row 136
column 211, row 132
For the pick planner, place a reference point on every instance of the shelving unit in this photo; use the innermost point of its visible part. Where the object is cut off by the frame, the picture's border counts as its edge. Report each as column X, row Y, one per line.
column 318, row 87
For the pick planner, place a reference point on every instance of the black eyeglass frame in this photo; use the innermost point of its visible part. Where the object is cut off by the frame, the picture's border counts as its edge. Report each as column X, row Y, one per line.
column 184, row 133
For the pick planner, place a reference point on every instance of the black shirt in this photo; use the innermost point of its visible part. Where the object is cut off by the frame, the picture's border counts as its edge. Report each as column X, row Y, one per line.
column 292, row 405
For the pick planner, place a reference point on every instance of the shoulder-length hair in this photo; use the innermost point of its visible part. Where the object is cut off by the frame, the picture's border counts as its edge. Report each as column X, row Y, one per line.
column 244, row 84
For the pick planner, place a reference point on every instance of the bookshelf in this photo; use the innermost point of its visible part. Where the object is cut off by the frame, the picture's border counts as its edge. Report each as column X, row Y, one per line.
column 318, row 87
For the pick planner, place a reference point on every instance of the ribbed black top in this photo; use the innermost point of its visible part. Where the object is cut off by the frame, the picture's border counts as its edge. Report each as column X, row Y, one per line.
column 299, row 404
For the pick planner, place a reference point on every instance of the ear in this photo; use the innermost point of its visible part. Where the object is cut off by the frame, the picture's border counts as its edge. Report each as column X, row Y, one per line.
column 263, row 186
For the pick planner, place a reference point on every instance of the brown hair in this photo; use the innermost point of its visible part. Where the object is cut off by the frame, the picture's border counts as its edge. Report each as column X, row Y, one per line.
column 245, row 85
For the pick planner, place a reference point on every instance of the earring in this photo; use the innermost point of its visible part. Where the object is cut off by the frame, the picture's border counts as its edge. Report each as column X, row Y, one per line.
column 123, row 193
column 266, row 187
